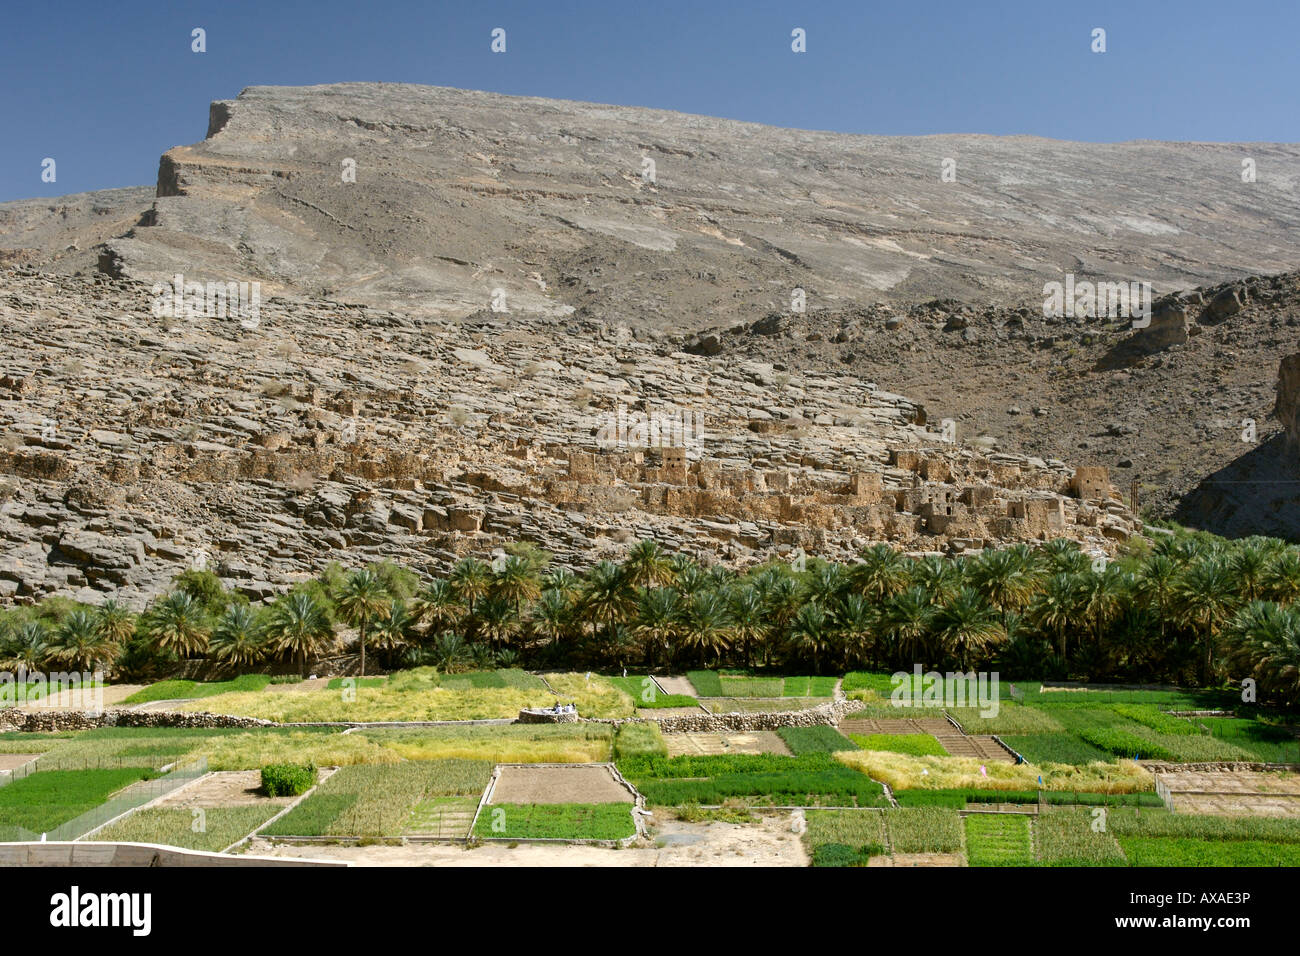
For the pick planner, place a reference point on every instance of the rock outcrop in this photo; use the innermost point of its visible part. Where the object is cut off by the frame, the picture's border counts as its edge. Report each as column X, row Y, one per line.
column 434, row 201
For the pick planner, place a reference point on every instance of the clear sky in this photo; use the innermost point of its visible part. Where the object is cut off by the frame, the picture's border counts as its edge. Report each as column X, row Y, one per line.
column 104, row 88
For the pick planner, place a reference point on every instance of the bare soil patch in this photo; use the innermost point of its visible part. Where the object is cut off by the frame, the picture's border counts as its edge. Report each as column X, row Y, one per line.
column 577, row 783
column 14, row 761
column 78, row 700
column 658, row 713
column 676, row 685
column 747, row 742
column 1234, row 792
column 223, row 788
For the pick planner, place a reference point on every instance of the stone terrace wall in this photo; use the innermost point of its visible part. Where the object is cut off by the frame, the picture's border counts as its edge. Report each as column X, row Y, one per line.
column 821, row 715
column 12, row 719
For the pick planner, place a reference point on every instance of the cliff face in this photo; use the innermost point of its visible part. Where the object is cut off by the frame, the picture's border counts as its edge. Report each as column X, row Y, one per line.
column 1287, row 409
column 662, row 219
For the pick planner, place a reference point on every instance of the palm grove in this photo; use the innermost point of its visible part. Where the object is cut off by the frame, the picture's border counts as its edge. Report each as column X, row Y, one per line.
column 1191, row 609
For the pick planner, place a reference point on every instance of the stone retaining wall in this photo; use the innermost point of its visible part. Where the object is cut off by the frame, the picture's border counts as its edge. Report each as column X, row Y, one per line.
column 13, row 719
column 821, row 715
column 1160, row 766
column 547, row 717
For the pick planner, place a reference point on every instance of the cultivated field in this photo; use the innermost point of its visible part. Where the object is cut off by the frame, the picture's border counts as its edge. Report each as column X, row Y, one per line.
column 887, row 786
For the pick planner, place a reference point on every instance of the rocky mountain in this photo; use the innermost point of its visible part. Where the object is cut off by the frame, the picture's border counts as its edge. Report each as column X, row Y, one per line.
column 662, row 219
column 134, row 446
column 507, row 326
column 1188, row 411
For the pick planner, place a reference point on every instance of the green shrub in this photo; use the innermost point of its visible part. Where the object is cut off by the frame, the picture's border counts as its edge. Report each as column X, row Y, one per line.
column 287, row 779
column 837, row 854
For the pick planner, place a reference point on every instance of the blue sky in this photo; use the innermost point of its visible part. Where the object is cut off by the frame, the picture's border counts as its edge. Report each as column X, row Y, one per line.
column 105, row 88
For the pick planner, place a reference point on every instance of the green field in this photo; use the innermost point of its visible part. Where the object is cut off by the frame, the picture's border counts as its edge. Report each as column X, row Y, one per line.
column 918, row 745
column 814, row 740
column 560, row 821
column 647, row 695
column 998, row 840
column 47, row 799
column 184, row 689
column 379, row 801
column 755, row 779
column 214, row 830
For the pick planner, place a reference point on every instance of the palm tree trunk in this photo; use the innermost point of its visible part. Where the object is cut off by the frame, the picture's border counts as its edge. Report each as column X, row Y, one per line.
column 362, row 630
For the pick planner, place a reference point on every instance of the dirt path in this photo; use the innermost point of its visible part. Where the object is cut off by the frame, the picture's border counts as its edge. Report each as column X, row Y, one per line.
column 676, row 685
column 14, row 761
column 769, row 842
column 79, row 700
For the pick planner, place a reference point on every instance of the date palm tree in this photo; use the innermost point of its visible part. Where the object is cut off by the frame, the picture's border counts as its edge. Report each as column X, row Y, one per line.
column 1056, row 609
column 937, row 576
column 391, row 629
column 1004, row 578
column 811, row 634
column 177, row 623
column 238, row 638
column 856, row 619
column 1249, row 564
column 517, row 583
column 880, row 573
column 117, row 623
column 551, row 618
column 749, row 624
column 1282, row 579
column 1265, row 644
column 906, row 624
column 825, row 583
column 435, row 607
column 81, row 643
column 647, row 566
column 497, row 621
column 471, row 579
column 607, row 599
column 299, row 627
column 657, row 623
column 362, row 599
column 1062, row 556
column 706, row 625
column 28, row 647
column 967, row 628
column 1206, row 600
column 563, row 582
